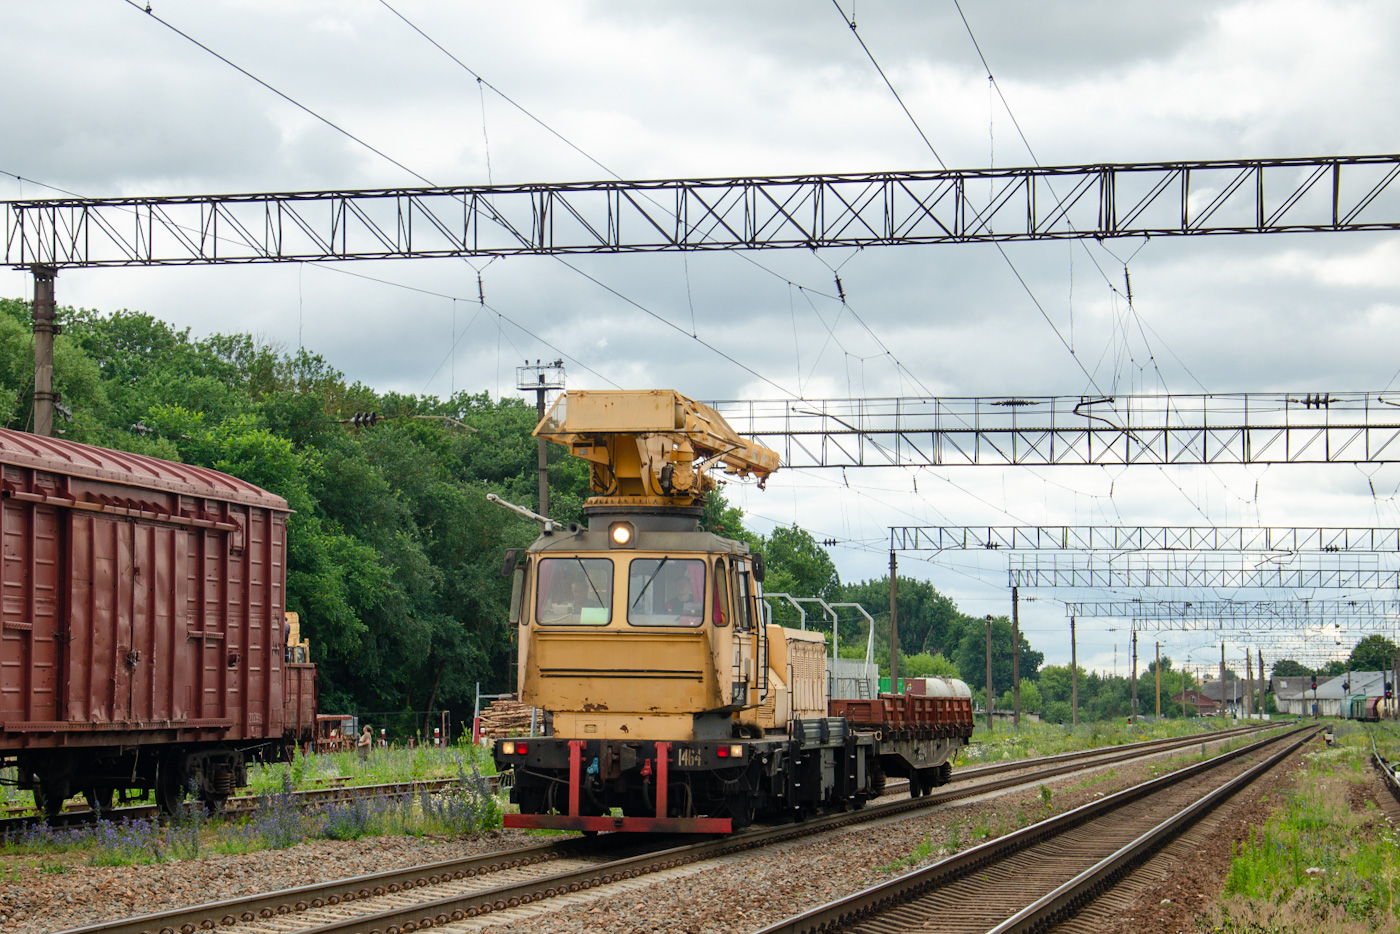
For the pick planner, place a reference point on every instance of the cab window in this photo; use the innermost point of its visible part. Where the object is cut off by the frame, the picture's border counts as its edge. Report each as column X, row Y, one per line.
column 720, row 614
column 742, row 603
column 665, row 592
column 574, row 592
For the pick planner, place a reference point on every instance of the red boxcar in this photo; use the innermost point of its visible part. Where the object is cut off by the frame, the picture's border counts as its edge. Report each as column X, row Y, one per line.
column 141, row 623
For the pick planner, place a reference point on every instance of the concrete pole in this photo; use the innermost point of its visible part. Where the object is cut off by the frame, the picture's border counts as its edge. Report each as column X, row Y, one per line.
column 44, row 331
column 1132, row 711
column 1073, row 674
column 1159, row 680
column 894, row 622
column 543, row 452
column 1248, row 685
column 1263, row 685
column 989, row 673
column 1222, row 680
column 1015, row 658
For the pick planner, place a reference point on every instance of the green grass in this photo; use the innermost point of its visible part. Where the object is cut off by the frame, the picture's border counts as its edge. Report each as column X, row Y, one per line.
column 1316, row 863
column 385, row 766
column 1006, row 742
column 920, row 853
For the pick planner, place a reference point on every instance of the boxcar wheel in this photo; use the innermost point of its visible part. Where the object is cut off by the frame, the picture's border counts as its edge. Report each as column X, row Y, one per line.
column 47, row 803
column 170, row 785
column 100, row 799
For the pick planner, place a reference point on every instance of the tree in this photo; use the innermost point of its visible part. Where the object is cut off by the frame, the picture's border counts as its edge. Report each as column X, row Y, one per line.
column 1288, row 668
column 796, row 564
column 1373, row 653
column 972, row 655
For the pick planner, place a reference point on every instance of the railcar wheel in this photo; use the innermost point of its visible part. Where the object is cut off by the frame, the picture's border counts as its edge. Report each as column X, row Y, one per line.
column 47, row 803
column 170, row 785
column 100, row 799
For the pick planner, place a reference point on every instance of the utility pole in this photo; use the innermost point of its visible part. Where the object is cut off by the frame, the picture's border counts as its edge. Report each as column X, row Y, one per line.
column 44, row 330
column 1263, row 685
column 1222, row 680
column 1073, row 675
column 1015, row 658
column 542, row 378
column 1132, row 711
column 1249, row 685
column 989, row 672
column 1159, row 680
column 894, row 622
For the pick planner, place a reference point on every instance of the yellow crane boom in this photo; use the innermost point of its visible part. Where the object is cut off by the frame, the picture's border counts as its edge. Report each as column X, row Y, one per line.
column 651, row 447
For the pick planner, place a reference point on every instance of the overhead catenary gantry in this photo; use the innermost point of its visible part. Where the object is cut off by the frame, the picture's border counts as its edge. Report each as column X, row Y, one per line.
column 1036, row 569
column 1259, row 615
column 1119, row 538
column 1041, row 431
column 1152, row 199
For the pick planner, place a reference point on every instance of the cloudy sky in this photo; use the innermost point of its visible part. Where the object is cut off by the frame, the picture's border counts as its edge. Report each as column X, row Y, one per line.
column 107, row 100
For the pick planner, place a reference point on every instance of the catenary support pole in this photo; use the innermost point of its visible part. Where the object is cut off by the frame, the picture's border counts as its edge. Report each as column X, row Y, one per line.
column 1158, row 667
column 1073, row 676
column 894, row 621
column 989, row 673
column 44, row 330
column 1248, row 685
column 1015, row 658
column 1132, row 711
column 1222, row 679
column 543, row 445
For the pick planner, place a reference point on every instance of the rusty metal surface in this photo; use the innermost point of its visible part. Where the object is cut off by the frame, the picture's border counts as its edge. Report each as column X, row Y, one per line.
column 135, row 613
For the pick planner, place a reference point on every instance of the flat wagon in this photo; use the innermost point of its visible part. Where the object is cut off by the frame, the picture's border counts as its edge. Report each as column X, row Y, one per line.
column 142, row 627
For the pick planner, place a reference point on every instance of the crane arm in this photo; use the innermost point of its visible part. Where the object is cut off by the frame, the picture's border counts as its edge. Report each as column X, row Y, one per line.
column 651, row 447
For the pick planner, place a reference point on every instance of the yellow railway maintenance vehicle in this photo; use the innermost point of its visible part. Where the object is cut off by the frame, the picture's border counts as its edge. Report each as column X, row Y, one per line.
column 672, row 702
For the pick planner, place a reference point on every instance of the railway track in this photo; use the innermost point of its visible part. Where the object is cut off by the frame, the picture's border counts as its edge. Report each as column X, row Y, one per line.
column 439, row 894
column 1033, row 878
column 243, row 805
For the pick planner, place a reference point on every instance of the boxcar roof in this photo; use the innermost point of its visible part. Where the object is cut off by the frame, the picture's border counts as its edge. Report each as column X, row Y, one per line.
column 83, row 460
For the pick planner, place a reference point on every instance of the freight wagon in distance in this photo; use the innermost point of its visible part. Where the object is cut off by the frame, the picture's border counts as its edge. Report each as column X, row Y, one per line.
column 142, row 625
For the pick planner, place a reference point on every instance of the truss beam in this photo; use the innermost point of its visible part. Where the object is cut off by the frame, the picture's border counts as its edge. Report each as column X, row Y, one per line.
column 1250, row 196
column 1144, row 538
column 1041, row 431
column 1031, row 570
column 1306, row 612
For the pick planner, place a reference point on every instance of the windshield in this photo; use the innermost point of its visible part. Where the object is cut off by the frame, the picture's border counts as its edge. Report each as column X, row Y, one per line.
column 575, row 591
column 665, row 592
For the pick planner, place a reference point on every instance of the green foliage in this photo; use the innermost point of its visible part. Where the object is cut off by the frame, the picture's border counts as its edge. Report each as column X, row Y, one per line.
column 925, row 665
column 971, row 655
column 1288, row 668
column 1373, row 653
column 797, row 565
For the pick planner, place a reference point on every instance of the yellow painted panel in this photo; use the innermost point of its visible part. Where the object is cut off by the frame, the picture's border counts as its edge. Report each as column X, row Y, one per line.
column 621, row 671
column 673, row 727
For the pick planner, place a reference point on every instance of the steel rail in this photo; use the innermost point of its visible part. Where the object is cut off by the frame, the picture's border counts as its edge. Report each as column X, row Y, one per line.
column 1066, row 900
column 843, row 912
column 456, row 908
column 295, row 900
column 287, row 901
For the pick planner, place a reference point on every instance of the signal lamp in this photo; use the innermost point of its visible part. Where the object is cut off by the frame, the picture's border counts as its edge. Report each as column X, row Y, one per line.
column 508, row 749
column 522, row 748
column 621, row 535
column 722, row 752
column 736, row 752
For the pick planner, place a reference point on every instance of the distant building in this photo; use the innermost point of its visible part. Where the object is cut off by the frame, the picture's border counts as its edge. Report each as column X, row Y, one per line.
column 1231, row 694
column 1204, row 705
column 1332, row 695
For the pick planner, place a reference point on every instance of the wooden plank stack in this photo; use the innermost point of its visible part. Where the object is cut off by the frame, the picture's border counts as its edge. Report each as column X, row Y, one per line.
column 508, row 717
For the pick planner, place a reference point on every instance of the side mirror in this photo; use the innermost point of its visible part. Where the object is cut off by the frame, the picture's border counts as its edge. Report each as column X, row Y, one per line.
column 512, row 556
column 758, row 570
